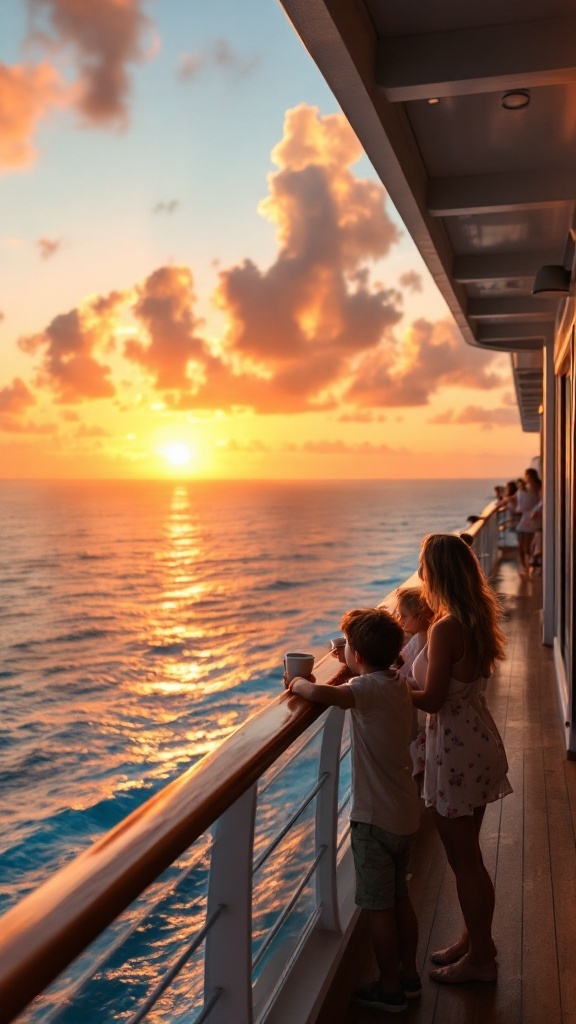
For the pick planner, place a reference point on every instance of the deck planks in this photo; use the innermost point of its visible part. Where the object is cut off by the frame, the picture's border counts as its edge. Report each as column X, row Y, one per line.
column 529, row 842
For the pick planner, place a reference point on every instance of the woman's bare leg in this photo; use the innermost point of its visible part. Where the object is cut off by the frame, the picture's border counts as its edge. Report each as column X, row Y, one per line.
column 476, row 896
column 450, row 954
column 524, row 545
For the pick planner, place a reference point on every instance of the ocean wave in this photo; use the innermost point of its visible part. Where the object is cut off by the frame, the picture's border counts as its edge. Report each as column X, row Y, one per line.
column 173, row 648
column 282, row 585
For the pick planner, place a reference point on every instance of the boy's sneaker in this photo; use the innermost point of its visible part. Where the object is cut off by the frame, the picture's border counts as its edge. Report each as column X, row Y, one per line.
column 412, row 987
column 372, row 995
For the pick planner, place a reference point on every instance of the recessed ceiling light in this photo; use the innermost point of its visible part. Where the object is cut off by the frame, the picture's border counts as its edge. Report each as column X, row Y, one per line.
column 433, row 100
column 516, row 99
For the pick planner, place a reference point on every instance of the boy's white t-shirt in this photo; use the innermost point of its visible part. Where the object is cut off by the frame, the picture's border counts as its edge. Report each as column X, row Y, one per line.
column 384, row 792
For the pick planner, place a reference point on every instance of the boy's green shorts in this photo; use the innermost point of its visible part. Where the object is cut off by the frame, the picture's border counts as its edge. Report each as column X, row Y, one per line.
column 381, row 862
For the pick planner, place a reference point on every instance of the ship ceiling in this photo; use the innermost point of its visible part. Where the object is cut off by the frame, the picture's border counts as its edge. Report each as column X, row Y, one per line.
column 485, row 182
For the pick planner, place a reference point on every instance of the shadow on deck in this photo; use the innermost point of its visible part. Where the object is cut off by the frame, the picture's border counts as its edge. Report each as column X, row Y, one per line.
column 529, row 848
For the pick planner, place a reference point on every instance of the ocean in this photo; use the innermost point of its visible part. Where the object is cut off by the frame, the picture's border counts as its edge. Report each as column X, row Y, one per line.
column 142, row 622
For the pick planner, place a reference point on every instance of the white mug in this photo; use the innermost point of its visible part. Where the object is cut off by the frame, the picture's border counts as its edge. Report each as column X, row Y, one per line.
column 296, row 664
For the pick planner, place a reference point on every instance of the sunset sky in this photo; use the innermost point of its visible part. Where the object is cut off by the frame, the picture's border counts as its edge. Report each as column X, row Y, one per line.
column 201, row 274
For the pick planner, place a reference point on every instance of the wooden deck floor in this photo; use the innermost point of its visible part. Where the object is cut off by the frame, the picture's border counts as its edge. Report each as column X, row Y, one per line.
column 529, row 848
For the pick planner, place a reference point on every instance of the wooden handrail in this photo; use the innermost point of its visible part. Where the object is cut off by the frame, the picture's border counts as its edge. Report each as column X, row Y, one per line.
column 51, row 926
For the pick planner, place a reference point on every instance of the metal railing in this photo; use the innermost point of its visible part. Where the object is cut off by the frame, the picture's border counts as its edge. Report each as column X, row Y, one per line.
column 221, row 793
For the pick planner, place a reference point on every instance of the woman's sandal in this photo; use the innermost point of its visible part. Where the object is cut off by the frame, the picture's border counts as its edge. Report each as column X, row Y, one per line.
column 462, row 971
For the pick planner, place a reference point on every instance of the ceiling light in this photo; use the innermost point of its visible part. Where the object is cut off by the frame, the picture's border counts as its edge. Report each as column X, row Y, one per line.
column 433, row 101
column 551, row 279
column 516, row 99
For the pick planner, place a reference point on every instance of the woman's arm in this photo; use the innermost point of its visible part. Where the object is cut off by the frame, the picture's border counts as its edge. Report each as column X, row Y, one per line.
column 445, row 635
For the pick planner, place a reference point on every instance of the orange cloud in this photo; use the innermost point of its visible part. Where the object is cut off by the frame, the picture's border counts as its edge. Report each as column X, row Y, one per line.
column 70, row 346
column 343, row 448
column 26, row 96
column 164, row 306
column 16, row 398
column 412, row 280
column 106, row 37
column 488, row 418
column 48, row 246
column 433, row 356
column 12, row 425
column 308, row 333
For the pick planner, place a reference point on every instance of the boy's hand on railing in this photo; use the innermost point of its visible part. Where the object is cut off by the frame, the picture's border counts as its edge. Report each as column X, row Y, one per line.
column 302, row 686
column 288, row 682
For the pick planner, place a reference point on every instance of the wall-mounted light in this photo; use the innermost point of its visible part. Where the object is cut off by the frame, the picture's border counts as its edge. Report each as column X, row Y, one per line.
column 515, row 99
column 551, row 279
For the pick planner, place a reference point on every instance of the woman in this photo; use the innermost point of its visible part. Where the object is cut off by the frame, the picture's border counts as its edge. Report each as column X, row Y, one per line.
column 465, row 763
column 526, row 502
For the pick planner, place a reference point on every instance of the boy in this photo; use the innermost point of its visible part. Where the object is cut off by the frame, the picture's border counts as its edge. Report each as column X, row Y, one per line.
column 385, row 812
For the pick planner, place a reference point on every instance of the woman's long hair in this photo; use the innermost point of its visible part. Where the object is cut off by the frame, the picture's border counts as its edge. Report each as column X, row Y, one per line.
column 534, row 481
column 454, row 582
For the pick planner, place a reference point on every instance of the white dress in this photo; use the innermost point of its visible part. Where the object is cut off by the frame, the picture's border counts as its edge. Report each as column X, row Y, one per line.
column 463, row 757
column 526, row 502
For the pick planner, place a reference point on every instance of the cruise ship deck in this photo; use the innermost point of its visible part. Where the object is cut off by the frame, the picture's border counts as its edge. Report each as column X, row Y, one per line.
column 529, row 848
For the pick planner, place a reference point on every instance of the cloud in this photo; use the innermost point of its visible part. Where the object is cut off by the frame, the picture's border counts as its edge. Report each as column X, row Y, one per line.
column 301, row 320
column 84, row 431
column 12, row 425
column 293, row 328
column 242, row 447
column 168, row 207
column 174, row 353
column 433, row 355
column 488, row 418
column 70, row 348
column 105, row 38
column 310, row 332
column 48, row 246
column 364, row 416
column 343, row 448
column 16, row 398
column 411, row 280
column 27, row 94
column 217, row 54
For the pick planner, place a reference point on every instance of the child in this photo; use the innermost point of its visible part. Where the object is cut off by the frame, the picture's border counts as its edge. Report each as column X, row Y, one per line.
column 385, row 812
column 415, row 616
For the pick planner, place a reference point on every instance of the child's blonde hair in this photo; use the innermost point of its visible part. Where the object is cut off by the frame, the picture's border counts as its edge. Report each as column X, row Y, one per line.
column 413, row 599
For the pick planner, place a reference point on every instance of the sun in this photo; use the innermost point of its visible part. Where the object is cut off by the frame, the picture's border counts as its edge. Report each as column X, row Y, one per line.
column 177, row 454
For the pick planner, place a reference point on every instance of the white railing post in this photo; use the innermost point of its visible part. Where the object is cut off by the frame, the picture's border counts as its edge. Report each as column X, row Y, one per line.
column 327, row 821
column 228, row 954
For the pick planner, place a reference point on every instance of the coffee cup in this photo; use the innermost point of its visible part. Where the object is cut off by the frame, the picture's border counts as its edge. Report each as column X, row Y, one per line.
column 337, row 645
column 296, row 664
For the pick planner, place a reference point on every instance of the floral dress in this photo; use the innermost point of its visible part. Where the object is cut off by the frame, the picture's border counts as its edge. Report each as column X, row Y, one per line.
column 463, row 755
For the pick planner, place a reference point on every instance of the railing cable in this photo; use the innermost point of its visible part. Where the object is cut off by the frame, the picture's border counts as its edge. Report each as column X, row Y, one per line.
column 168, row 890
column 176, row 968
column 287, row 909
column 278, row 839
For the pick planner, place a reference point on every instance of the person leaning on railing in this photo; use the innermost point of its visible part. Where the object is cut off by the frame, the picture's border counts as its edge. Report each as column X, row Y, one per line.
column 385, row 812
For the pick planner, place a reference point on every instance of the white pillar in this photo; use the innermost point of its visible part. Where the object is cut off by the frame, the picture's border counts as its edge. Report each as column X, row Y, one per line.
column 228, row 955
column 549, row 488
column 327, row 821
